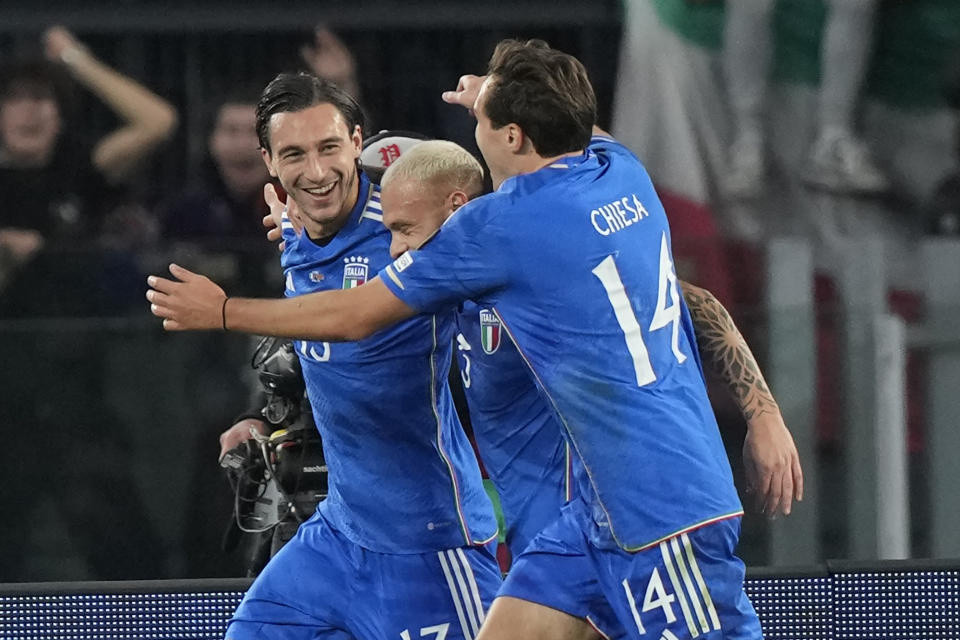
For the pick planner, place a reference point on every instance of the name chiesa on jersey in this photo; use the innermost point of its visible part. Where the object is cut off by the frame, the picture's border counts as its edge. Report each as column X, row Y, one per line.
column 618, row 215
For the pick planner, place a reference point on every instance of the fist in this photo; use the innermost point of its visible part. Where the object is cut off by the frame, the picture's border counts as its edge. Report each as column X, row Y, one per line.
column 240, row 433
column 56, row 40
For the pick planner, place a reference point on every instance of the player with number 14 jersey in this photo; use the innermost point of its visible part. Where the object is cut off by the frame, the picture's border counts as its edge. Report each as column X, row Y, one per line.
column 575, row 261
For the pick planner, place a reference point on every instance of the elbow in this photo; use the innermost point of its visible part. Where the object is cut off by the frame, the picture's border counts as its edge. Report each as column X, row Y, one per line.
column 359, row 323
column 159, row 127
column 164, row 124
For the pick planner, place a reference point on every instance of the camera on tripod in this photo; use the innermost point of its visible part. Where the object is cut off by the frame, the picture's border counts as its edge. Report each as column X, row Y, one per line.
column 278, row 479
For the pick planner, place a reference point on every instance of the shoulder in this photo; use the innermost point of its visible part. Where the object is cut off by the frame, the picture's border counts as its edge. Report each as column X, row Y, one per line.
column 608, row 145
column 484, row 213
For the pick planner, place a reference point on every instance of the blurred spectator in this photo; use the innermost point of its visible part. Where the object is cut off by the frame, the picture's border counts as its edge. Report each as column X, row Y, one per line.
column 62, row 211
column 218, row 222
column 330, row 59
column 55, row 189
column 839, row 160
column 942, row 210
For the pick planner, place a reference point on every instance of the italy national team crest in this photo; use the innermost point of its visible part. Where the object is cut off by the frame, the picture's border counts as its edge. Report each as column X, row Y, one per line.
column 490, row 330
column 356, row 270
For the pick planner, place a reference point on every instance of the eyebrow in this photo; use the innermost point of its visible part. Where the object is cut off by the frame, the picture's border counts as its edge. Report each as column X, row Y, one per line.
column 298, row 147
column 399, row 224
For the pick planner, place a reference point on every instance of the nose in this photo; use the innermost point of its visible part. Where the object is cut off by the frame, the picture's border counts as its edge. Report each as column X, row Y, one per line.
column 315, row 169
column 398, row 247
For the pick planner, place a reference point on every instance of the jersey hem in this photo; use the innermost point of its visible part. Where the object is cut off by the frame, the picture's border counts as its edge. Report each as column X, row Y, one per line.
column 458, row 503
column 481, row 543
column 688, row 529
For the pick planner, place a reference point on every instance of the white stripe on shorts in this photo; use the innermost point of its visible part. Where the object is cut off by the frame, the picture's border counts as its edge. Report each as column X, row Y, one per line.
column 464, row 592
column 678, row 590
column 712, row 610
column 454, row 595
column 472, row 581
column 688, row 583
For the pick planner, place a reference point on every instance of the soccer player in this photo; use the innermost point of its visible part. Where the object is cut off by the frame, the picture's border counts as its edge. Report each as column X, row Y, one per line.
column 398, row 549
column 420, row 191
column 517, row 436
column 573, row 253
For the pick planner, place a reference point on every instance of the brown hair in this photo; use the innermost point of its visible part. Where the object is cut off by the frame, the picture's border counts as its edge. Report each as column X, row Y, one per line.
column 544, row 91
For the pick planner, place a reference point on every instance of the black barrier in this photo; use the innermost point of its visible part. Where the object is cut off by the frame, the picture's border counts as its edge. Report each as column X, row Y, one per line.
column 915, row 600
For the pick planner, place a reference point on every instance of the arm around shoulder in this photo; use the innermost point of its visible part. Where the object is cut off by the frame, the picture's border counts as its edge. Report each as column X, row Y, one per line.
column 193, row 302
column 340, row 315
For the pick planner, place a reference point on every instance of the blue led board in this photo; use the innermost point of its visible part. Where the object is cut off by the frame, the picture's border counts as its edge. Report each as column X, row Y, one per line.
column 842, row 602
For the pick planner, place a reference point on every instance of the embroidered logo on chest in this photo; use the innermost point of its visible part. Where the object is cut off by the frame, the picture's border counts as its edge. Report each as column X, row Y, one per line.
column 356, row 271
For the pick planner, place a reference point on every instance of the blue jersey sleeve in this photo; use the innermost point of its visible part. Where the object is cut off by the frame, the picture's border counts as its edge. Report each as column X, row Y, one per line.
column 466, row 259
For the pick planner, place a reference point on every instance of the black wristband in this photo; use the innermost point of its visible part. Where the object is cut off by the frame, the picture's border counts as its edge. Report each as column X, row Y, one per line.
column 223, row 313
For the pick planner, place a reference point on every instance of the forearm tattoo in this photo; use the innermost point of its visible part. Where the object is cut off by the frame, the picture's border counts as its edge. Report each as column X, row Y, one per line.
column 724, row 349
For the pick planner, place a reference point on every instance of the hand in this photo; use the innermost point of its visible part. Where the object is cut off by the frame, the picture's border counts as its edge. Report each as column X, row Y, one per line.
column 21, row 243
column 466, row 94
column 273, row 221
column 57, row 41
column 772, row 464
column 240, row 433
column 195, row 302
column 329, row 58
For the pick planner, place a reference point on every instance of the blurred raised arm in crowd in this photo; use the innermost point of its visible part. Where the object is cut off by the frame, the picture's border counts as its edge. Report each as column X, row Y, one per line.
column 57, row 186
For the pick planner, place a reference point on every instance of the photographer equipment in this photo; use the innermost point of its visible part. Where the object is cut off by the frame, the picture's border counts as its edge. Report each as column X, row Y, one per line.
column 279, row 479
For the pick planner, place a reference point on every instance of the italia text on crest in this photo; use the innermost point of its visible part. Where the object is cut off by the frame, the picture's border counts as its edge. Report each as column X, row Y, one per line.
column 490, row 331
column 356, row 270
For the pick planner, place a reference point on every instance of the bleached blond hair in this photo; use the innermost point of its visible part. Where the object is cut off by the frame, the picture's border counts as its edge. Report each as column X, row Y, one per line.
column 437, row 162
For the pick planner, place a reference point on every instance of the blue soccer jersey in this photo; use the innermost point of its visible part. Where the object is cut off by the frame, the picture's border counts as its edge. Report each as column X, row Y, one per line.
column 517, row 435
column 402, row 474
column 575, row 258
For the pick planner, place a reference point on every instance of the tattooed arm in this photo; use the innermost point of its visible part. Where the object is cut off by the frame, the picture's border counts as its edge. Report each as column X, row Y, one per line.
column 769, row 454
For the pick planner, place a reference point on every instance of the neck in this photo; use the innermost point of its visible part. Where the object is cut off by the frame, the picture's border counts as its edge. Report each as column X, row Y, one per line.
column 540, row 162
column 531, row 162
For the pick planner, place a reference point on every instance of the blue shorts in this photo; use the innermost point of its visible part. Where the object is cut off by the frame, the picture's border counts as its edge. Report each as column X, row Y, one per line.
column 322, row 585
column 688, row 586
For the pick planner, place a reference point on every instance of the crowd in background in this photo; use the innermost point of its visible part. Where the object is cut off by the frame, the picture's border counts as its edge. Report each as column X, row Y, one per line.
column 84, row 216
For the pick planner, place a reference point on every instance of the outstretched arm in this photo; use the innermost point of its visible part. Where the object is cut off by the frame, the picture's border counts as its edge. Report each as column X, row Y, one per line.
column 148, row 118
column 769, row 453
column 194, row 302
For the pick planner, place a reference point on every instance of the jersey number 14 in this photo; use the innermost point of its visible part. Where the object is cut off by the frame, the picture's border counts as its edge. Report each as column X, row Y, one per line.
column 667, row 311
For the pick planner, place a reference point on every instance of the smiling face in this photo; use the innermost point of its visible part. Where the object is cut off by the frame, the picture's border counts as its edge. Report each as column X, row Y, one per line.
column 314, row 154
column 413, row 210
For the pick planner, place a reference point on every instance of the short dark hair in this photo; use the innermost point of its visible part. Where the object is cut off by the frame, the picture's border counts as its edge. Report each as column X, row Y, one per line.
column 35, row 77
column 290, row 92
column 544, row 91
